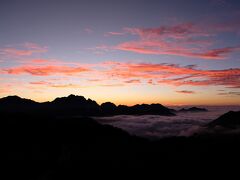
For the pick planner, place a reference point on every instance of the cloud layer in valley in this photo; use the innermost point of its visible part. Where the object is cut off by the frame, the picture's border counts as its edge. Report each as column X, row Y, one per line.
column 153, row 126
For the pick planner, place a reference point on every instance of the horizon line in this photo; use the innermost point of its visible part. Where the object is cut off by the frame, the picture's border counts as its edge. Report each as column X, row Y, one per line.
column 126, row 104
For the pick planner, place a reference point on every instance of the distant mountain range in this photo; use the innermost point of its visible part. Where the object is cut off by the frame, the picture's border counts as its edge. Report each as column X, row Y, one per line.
column 78, row 105
column 193, row 109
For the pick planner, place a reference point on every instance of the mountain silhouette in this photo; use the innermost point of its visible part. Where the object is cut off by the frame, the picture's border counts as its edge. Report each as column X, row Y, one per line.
column 193, row 109
column 109, row 108
column 228, row 120
column 78, row 105
column 17, row 104
column 15, row 100
column 143, row 109
column 74, row 105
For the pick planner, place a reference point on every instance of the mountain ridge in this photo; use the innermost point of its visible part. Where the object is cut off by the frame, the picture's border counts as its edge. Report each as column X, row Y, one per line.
column 193, row 109
column 79, row 105
column 228, row 120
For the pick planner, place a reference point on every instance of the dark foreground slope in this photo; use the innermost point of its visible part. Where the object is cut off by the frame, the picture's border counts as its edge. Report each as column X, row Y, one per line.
column 47, row 147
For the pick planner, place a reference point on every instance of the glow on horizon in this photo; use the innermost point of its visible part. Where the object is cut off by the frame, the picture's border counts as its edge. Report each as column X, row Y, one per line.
column 130, row 97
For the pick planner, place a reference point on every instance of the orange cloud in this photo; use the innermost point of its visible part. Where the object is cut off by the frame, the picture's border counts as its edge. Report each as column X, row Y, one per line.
column 54, row 85
column 4, row 90
column 229, row 94
column 40, row 83
column 134, row 81
column 44, row 70
column 94, row 80
column 186, row 92
column 111, row 85
column 66, row 86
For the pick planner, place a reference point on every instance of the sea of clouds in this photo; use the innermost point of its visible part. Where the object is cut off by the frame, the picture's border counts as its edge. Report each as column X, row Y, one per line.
column 155, row 126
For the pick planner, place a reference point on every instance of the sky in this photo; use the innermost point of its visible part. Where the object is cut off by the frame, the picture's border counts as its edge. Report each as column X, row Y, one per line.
column 174, row 52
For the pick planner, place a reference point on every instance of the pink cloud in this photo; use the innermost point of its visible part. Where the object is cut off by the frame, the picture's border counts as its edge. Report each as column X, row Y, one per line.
column 40, row 61
column 219, row 53
column 179, row 31
column 172, row 74
column 44, row 70
column 16, row 52
column 210, row 81
column 147, row 70
column 26, row 49
column 162, row 48
column 31, row 45
column 113, row 73
column 100, row 49
column 114, row 34
column 187, row 40
column 88, row 30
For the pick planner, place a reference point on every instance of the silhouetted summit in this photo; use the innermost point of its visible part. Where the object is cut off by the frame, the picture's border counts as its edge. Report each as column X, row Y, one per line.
column 109, row 108
column 71, row 99
column 156, row 109
column 74, row 105
column 193, row 109
column 78, row 105
column 17, row 104
column 15, row 100
column 228, row 120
